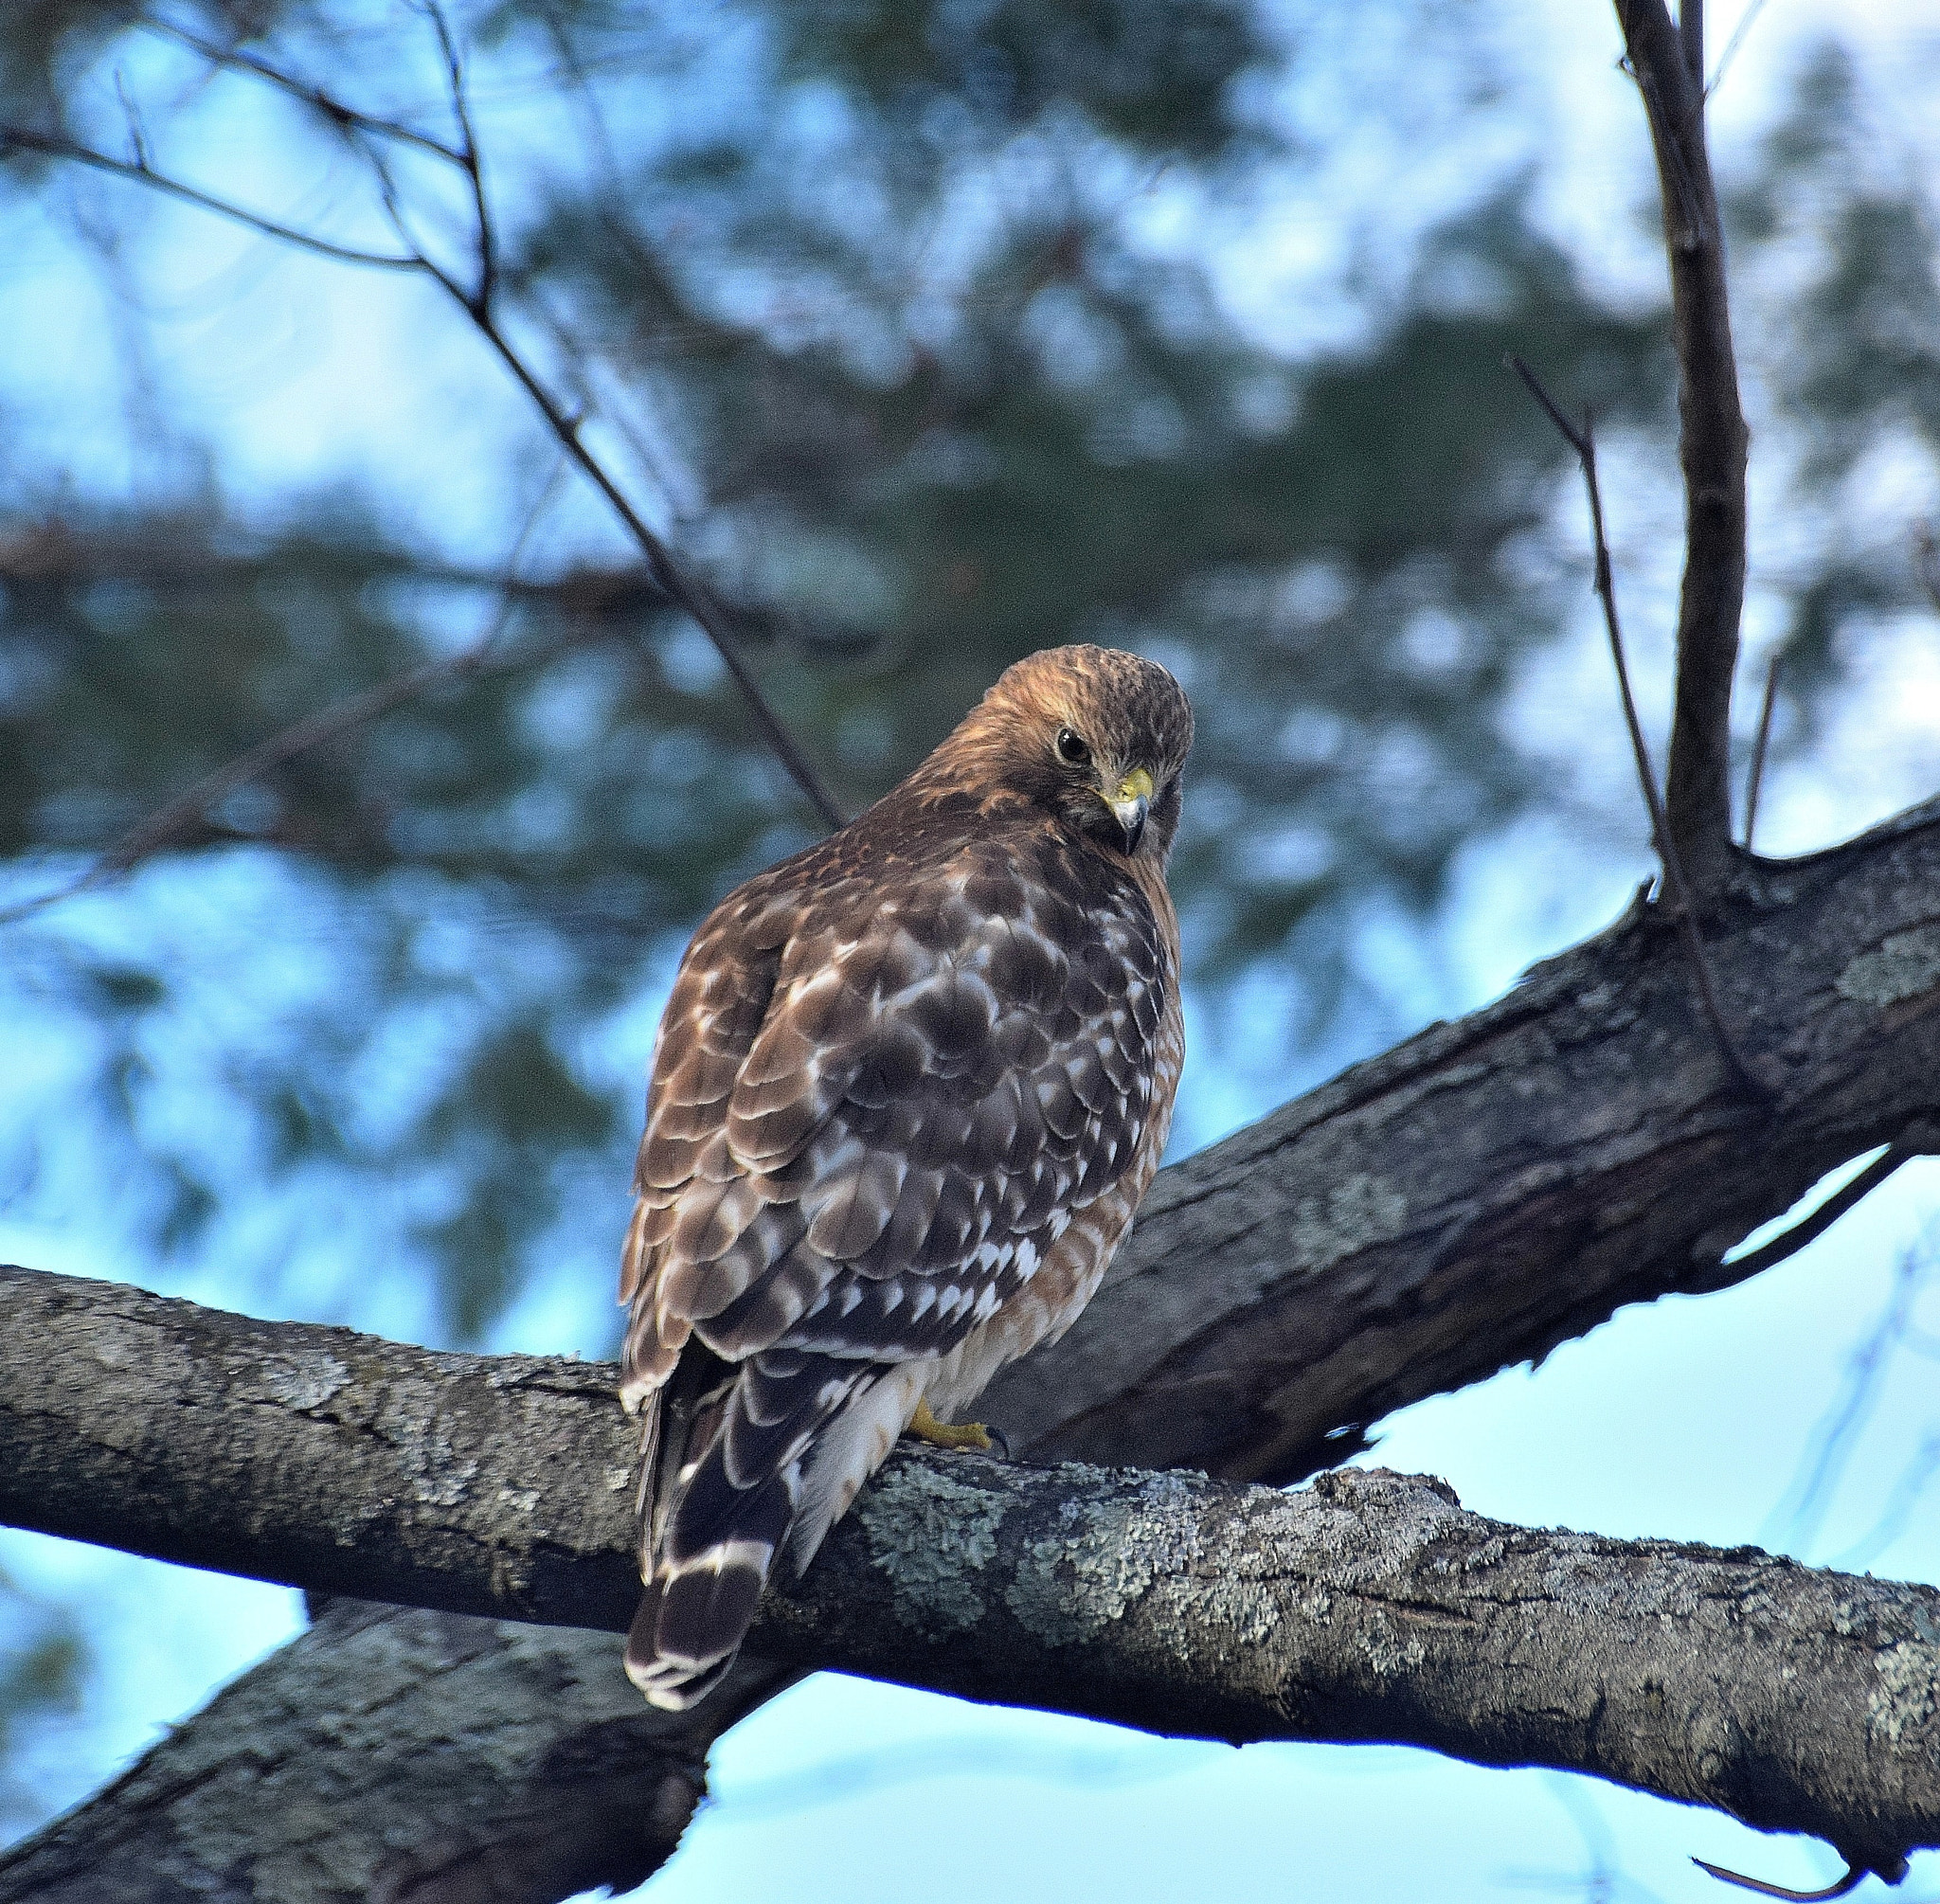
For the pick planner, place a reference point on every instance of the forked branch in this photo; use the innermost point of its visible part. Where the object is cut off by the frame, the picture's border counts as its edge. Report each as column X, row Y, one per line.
column 479, row 300
column 1582, row 439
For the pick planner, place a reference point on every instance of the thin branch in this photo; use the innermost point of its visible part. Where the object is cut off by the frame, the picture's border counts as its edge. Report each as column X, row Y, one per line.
column 1840, row 1886
column 479, row 305
column 666, row 569
column 1756, row 781
column 1583, row 441
column 1797, row 1517
column 344, row 117
column 1731, row 45
column 168, row 824
column 1713, row 440
column 20, row 139
column 469, row 161
column 1808, row 1229
column 137, row 137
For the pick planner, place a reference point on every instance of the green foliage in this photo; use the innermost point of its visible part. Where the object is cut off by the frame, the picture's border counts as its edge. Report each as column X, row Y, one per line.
column 937, row 396
column 1161, row 78
column 44, row 1662
column 1856, row 375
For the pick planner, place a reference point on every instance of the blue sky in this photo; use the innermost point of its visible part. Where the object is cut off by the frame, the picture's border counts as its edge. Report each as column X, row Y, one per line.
column 1691, row 1418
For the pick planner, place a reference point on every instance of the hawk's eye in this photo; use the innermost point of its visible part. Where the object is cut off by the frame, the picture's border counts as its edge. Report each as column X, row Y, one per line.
column 1071, row 750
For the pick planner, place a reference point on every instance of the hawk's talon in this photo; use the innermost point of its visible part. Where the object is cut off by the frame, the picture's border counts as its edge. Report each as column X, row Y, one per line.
column 926, row 1427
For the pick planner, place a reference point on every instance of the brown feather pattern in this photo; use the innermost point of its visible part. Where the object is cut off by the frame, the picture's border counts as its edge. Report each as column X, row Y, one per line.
column 906, row 1093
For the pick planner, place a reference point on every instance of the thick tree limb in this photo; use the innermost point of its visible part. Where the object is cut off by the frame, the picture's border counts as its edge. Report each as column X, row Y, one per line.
column 1487, row 1190
column 1369, row 1607
column 401, row 1755
column 1500, row 1184
column 1713, row 442
column 1482, row 1193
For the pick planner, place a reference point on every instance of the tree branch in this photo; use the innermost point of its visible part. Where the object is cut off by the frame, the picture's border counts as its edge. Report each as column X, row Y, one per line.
column 1498, row 1185
column 1713, row 439
column 391, row 1755
column 479, row 305
column 1754, row 780
column 138, row 172
column 1484, row 1192
column 344, row 118
column 1583, row 441
column 175, row 818
column 1369, row 1607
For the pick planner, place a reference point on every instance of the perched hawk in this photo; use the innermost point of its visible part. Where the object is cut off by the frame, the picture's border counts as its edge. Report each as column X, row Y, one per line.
column 910, row 1088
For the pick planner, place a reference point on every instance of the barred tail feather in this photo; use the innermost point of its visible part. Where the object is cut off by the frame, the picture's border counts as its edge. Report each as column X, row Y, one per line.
column 720, row 1502
column 694, row 1614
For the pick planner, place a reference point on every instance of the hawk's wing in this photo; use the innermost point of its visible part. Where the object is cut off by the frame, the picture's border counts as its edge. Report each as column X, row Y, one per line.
column 879, row 1096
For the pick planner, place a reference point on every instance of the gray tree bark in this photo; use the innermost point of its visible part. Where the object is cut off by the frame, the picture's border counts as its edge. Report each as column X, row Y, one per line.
column 1485, row 1191
column 1369, row 1607
column 535, row 1770
column 1667, row 61
column 1498, row 1185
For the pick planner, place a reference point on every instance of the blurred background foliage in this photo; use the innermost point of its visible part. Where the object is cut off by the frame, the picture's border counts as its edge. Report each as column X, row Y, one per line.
column 43, row 1667
column 916, row 326
column 906, row 320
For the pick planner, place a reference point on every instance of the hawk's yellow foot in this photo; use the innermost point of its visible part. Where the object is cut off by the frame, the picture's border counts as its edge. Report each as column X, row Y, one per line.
column 926, row 1427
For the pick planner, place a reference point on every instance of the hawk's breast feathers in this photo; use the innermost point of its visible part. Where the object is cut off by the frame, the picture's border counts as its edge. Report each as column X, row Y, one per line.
column 906, row 1093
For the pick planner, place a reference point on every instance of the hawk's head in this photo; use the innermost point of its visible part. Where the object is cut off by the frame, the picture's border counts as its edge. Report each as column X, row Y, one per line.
column 1094, row 735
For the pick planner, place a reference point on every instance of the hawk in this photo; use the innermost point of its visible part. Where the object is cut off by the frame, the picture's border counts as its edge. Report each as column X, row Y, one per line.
column 907, row 1092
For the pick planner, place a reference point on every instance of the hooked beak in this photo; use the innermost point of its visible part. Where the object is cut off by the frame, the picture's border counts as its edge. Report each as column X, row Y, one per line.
column 1130, row 804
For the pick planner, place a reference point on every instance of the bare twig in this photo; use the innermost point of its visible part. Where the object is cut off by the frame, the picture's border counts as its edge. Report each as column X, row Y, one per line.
column 1769, row 1255
column 479, row 304
column 1756, row 780
column 137, row 137
column 665, row 568
column 1797, row 1517
column 468, row 161
column 48, row 145
column 1839, row 1887
column 1731, row 45
column 1713, row 440
column 168, row 824
column 1583, row 441
column 345, row 117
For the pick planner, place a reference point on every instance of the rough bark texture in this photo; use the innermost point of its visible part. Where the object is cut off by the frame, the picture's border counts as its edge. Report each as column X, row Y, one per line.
column 535, row 1771
column 1369, row 1607
column 1483, row 1192
column 1498, row 1185
column 1714, row 442
column 325, row 1459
